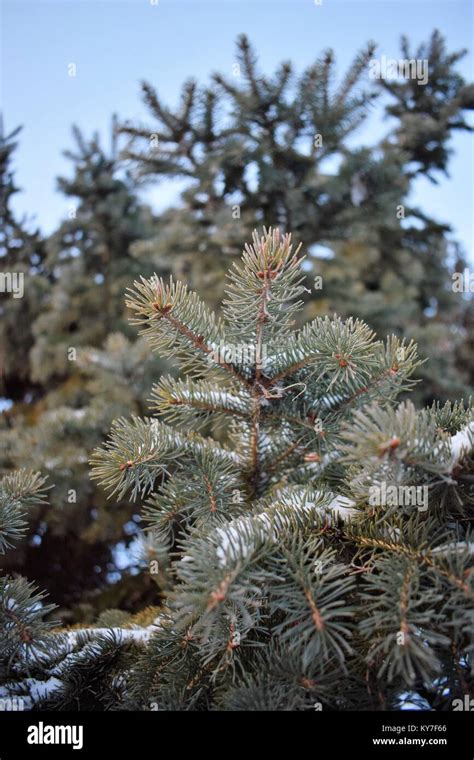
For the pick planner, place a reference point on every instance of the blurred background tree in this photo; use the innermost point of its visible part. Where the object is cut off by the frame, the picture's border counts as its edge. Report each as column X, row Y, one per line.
column 84, row 371
column 22, row 251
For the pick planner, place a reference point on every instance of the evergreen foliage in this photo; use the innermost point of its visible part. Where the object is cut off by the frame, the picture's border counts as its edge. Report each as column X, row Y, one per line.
column 289, row 586
column 281, row 150
column 90, row 257
column 79, row 370
column 264, row 457
column 22, row 257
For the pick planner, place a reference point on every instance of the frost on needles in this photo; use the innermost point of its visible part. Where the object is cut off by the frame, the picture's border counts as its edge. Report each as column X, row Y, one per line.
column 288, row 584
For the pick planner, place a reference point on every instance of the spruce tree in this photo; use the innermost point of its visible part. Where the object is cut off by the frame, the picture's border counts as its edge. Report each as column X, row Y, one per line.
column 320, row 557
column 22, row 605
column 35, row 657
column 82, row 371
column 90, row 255
column 23, row 280
column 280, row 149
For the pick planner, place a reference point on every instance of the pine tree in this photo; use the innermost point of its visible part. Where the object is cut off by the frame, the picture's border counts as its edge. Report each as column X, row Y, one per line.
column 280, row 150
column 90, row 255
column 429, row 115
column 318, row 558
column 23, row 281
column 21, row 605
column 36, row 658
column 257, row 165
column 83, row 371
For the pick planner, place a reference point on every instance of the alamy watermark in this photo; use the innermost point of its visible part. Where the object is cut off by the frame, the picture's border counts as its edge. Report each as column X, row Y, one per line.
column 12, row 704
column 399, row 496
column 241, row 353
column 466, row 704
column 12, row 282
column 48, row 734
column 399, row 68
column 463, row 282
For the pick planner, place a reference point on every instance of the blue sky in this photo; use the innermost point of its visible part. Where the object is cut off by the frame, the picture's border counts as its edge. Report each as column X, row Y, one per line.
column 116, row 43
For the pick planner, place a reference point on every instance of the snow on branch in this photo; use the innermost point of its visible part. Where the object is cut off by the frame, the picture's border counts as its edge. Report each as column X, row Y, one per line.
column 69, row 646
column 338, row 506
column 239, row 537
column 462, row 443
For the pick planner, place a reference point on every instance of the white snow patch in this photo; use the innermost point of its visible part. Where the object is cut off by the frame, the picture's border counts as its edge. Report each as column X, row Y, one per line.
column 461, row 443
column 231, row 535
column 42, row 689
column 457, row 547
